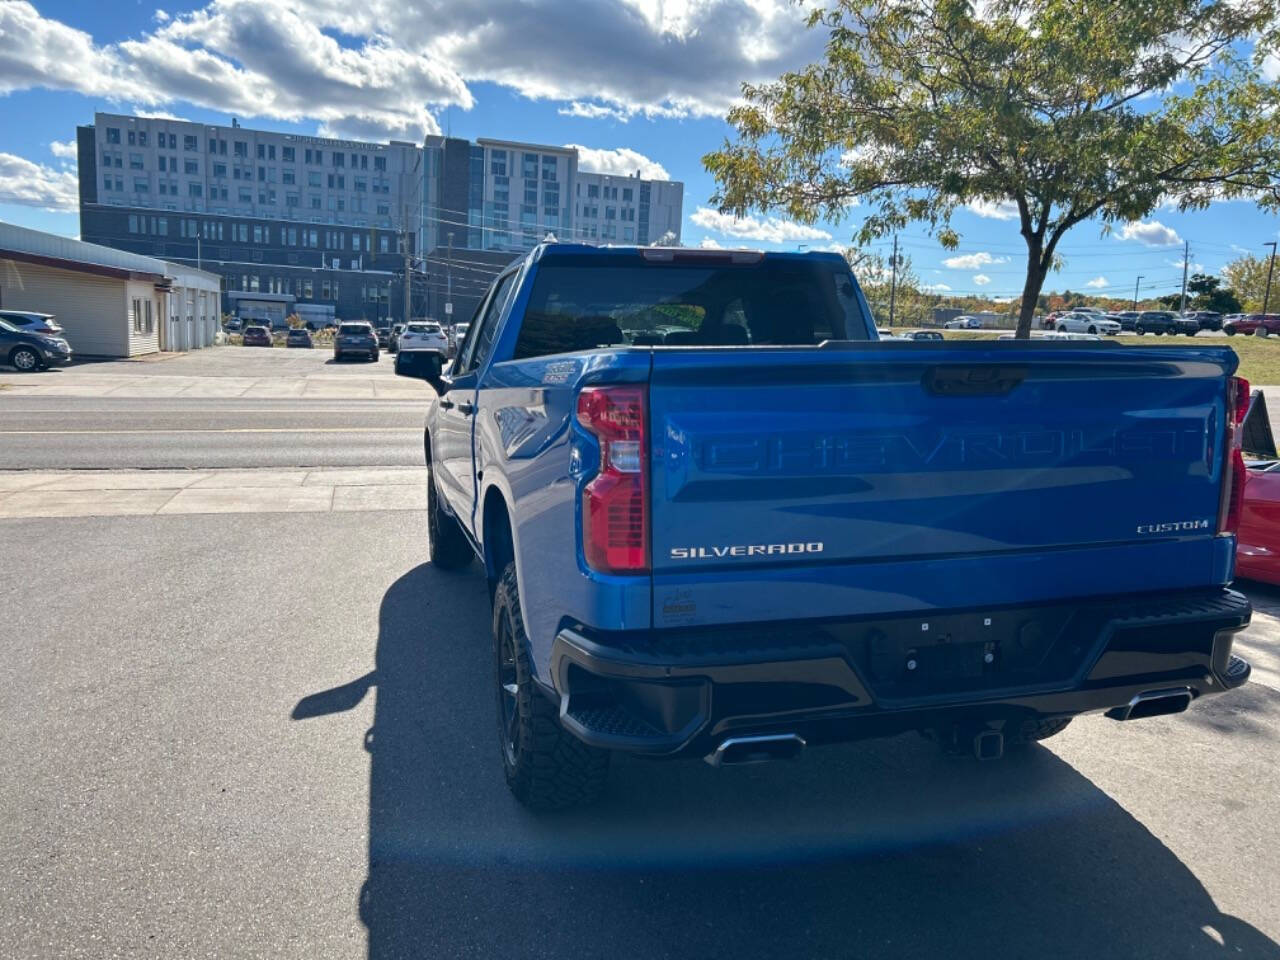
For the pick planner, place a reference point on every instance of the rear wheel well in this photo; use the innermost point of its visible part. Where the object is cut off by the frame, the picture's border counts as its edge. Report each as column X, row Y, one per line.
column 499, row 544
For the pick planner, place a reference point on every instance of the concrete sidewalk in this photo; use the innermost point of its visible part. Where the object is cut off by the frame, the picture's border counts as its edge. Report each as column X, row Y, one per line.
column 101, row 493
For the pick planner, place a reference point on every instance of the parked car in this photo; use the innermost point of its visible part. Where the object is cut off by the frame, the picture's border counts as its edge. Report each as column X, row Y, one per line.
column 424, row 335
column 1094, row 323
column 393, row 341
column 357, row 338
column 232, row 326
column 27, row 350
column 256, row 337
column 922, row 335
column 383, row 334
column 1187, row 325
column 1126, row 318
column 31, row 322
column 457, row 334
column 1155, row 321
column 300, row 337
column 651, row 607
column 963, row 323
column 1206, row 319
column 1256, row 323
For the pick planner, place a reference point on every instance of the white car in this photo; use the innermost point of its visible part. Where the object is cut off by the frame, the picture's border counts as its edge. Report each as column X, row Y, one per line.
column 963, row 323
column 423, row 335
column 1086, row 323
column 456, row 336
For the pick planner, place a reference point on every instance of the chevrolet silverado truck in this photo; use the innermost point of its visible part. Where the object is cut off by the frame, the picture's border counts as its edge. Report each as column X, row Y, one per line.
column 720, row 519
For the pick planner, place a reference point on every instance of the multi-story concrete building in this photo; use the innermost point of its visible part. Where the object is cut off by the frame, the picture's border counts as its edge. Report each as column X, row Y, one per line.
column 317, row 225
column 320, row 219
column 489, row 201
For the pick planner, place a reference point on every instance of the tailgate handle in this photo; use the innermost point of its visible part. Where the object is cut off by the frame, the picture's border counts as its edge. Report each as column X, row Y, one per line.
column 973, row 380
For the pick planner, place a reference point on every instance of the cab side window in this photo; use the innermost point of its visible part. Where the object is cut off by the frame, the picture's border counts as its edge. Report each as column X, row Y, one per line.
column 480, row 339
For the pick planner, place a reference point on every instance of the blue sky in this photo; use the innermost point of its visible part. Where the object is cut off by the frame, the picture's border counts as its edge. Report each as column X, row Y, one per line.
column 649, row 76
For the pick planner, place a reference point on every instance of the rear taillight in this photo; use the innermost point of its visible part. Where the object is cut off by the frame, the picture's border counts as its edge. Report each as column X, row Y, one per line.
column 1233, row 470
column 615, row 519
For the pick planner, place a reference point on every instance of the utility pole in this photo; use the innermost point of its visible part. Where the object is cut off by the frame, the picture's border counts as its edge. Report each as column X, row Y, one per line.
column 1135, row 291
column 448, row 297
column 893, row 282
column 198, row 263
column 1271, row 264
column 1186, row 255
column 404, row 243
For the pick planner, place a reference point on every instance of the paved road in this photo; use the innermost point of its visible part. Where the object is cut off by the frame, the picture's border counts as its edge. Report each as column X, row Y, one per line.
column 272, row 736
column 107, row 432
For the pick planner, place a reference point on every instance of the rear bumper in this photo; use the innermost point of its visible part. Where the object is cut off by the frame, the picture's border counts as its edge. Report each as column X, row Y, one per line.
column 682, row 693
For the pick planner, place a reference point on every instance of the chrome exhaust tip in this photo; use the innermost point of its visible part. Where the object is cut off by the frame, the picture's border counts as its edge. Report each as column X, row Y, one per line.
column 741, row 750
column 1153, row 703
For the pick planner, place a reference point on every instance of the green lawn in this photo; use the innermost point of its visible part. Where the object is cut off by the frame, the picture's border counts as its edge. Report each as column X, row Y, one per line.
column 1259, row 356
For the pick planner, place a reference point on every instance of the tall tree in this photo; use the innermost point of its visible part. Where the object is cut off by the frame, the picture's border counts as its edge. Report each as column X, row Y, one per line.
column 1247, row 278
column 1059, row 110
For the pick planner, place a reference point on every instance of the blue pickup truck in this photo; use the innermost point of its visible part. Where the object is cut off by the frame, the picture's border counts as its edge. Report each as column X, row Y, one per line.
column 720, row 519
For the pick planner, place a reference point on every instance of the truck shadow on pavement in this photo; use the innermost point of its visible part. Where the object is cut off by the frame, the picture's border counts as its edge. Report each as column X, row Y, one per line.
column 880, row 849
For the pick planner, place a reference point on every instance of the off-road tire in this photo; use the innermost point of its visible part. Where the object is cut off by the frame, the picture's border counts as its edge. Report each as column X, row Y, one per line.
column 546, row 767
column 1033, row 731
column 448, row 547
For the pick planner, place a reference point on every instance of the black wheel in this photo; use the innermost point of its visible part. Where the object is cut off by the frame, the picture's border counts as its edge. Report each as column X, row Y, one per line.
column 1139, row 329
column 448, row 545
column 373, row 356
column 546, row 767
column 1033, row 731
column 1229, row 331
column 25, row 359
column 1093, row 330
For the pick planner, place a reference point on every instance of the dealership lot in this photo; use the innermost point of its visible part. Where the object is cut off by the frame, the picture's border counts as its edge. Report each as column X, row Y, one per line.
column 245, row 717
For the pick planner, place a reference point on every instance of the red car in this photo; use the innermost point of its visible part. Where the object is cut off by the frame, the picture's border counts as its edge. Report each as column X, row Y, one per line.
column 1258, row 540
column 1250, row 322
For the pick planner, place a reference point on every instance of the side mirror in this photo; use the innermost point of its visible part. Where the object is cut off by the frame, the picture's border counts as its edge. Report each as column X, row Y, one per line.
column 425, row 365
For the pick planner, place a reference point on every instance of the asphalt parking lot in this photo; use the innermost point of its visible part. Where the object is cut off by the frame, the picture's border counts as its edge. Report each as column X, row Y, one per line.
column 263, row 733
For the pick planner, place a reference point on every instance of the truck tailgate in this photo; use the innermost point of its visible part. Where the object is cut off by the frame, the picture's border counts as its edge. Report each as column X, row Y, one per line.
column 879, row 477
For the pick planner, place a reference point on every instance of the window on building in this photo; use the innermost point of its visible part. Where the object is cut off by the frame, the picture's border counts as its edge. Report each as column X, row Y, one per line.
column 498, row 163
column 262, row 174
column 314, row 237
column 113, row 134
column 192, row 143
column 364, row 161
column 315, row 202
column 257, row 233
column 133, row 224
column 629, row 234
column 137, row 315
column 195, row 190
column 141, row 185
column 384, row 244
column 288, row 154
column 162, row 226
column 288, row 177
column 593, row 191
column 163, row 161
column 150, row 321
column 342, row 204
column 191, row 167
column 529, row 166
column 549, row 168
column 219, row 169
column 245, row 195
column 142, row 138
column 339, row 159
column 531, row 191
column 379, row 163
column 355, row 242
column 106, row 183
column 290, row 199
column 241, row 148
column 262, row 151
column 384, row 209
column 271, row 151
column 262, row 197
column 133, row 138
column 313, row 178
column 307, row 289
column 360, row 184
column 135, row 161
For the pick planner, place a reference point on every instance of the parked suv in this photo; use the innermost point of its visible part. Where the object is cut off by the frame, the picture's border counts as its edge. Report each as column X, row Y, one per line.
column 256, row 337
column 43, row 323
column 424, row 335
column 1155, row 321
column 1262, row 324
column 301, row 337
column 1206, row 319
column 31, row 351
column 357, row 338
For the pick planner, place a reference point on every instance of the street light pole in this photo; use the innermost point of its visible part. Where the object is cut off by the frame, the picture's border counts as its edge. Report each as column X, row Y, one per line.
column 1266, row 298
column 448, row 296
column 1135, row 291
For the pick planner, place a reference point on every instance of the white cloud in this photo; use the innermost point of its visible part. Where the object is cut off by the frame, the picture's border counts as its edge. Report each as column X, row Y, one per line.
column 621, row 162
column 994, row 209
column 936, row 287
column 1153, row 233
column 30, row 184
column 1098, row 283
column 593, row 111
column 157, row 114
column 971, row 261
column 63, row 149
column 981, row 279
column 397, row 64
column 763, row 229
column 709, row 243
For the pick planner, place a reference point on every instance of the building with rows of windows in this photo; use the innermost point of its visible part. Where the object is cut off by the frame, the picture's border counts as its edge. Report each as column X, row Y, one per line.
column 320, row 226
